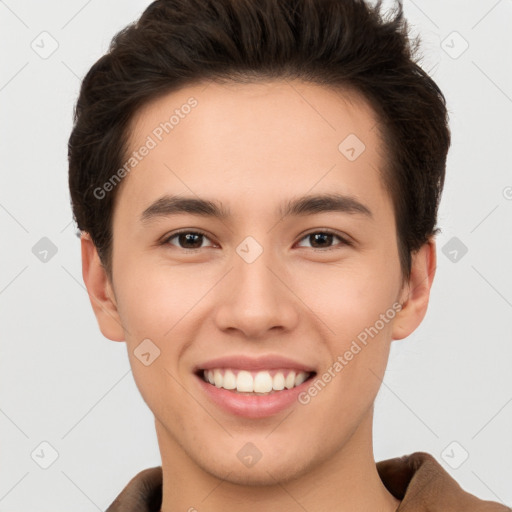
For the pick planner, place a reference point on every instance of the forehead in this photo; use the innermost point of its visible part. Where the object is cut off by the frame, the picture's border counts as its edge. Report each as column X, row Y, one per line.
column 249, row 144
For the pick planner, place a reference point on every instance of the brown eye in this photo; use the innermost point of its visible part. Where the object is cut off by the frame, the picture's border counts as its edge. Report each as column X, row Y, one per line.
column 187, row 239
column 324, row 239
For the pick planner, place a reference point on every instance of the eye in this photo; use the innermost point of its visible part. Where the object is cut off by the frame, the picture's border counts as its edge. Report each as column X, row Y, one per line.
column 192, row 240
column 187, row 239
column 322, row 239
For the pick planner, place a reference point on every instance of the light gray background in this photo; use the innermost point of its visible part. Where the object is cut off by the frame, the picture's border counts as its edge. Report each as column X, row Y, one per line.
column 64, row 384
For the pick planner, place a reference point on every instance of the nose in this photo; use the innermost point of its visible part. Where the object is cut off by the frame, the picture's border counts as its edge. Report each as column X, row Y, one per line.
column 257, row 297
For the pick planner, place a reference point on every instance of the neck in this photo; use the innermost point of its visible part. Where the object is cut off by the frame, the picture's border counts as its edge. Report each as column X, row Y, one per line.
column 346, row 480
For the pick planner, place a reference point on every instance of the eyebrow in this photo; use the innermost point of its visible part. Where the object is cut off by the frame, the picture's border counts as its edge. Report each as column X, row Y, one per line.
column 169, row 205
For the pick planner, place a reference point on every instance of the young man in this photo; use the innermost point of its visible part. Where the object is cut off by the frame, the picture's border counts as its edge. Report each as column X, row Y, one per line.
column 257, row 186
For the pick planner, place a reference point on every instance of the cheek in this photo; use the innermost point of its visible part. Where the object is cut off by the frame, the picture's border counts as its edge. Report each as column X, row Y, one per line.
column 357, row 308
column 160, row 303
column 153, row 308
column 351, row 297
column 153, row 302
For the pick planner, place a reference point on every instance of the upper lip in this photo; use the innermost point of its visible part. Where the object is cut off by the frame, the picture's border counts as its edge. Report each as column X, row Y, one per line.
column 244, row 362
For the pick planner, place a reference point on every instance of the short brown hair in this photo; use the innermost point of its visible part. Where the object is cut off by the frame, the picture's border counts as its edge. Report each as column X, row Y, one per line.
column 345, row 44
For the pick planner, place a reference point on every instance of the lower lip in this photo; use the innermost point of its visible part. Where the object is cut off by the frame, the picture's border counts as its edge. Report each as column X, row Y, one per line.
column 252, row 406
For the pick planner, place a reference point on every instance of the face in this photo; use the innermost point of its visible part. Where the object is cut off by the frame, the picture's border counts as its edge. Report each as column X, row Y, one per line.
column 292, row 265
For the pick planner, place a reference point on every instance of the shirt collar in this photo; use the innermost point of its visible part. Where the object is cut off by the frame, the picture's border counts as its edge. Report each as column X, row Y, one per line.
column 417, row 479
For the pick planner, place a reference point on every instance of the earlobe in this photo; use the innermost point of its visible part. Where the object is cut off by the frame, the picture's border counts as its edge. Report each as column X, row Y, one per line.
column 416, row 293
column 100, row 291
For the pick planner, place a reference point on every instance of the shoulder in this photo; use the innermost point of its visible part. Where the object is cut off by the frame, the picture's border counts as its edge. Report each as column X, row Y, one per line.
column 143, row 493
column 423, row 484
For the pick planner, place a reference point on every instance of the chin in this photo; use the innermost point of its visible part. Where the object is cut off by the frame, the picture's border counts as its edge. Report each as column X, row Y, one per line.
column 274, row 466
column 263, row 474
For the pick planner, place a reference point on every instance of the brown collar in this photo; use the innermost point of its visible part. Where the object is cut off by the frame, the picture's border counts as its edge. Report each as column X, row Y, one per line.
column 418, row 480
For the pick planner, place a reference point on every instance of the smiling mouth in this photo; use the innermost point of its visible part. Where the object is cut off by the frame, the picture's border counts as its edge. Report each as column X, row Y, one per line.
column 245, row 382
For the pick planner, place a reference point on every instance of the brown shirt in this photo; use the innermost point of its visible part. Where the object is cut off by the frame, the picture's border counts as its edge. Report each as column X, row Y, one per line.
column 418, row 480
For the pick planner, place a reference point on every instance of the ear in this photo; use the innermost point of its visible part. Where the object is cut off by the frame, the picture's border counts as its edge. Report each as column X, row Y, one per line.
column 100, row 291
column 416, row 292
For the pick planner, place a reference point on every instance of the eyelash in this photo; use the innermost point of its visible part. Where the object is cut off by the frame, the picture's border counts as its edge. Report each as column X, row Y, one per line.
column 344, row 241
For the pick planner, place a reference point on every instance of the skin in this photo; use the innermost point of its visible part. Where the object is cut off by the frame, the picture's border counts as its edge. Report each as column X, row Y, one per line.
column 251, row 146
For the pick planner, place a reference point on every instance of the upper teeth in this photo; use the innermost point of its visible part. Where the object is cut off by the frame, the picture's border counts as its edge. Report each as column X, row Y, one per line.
column 258, row 382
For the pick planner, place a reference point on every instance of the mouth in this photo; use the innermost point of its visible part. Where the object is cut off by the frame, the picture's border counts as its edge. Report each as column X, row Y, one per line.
column 255, row 383
column 253, row 387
